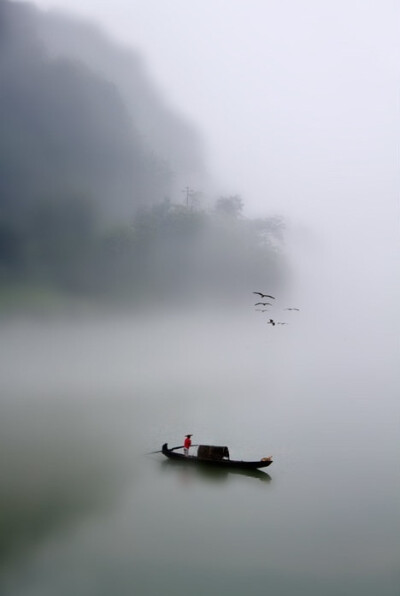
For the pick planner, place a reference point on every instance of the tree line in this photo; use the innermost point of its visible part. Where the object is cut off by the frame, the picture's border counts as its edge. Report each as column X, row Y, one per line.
column 165, row 252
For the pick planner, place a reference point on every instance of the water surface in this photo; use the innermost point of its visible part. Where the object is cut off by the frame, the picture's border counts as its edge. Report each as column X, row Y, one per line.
column 83, row 511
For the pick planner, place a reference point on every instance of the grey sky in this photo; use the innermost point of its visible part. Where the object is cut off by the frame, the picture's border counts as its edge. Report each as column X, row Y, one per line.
column 297, row 101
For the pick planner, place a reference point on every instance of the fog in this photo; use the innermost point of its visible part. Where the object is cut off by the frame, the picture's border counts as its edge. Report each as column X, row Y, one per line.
column 161, row 162
column 297, row 108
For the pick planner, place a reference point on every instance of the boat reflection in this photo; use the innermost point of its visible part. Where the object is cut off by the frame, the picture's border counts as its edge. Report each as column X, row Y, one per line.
column 212, row 474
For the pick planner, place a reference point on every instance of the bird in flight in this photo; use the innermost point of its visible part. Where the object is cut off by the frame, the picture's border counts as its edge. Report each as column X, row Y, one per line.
column 292, row 309
column 271, row 322
column 264, row 295
column 263, row 304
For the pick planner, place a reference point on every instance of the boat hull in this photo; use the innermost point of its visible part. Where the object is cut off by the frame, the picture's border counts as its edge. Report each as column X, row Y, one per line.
column 217, row 463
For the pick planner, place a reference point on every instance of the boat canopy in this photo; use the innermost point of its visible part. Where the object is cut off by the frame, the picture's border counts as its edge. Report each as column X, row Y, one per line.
column 212, row 452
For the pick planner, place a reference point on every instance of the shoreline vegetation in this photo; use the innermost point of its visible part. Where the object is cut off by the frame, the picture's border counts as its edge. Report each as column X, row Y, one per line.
column 168, row 254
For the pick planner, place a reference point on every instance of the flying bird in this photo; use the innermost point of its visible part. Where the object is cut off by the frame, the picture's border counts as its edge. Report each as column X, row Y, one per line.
column 263, row 303
column 264, row 295
column 291, row 309
column 271, row 322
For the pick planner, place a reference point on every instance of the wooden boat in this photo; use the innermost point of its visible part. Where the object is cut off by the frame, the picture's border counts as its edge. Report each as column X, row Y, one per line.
column 220, row 462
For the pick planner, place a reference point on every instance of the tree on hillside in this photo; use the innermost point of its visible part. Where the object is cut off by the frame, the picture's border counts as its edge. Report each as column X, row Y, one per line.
column 231, row 206
column 172, row 250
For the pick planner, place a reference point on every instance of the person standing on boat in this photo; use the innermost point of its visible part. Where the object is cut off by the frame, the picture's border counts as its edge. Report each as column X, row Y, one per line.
column 186, row 444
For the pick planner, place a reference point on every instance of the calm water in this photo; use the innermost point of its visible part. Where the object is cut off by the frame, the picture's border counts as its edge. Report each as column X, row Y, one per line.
column 83, row 511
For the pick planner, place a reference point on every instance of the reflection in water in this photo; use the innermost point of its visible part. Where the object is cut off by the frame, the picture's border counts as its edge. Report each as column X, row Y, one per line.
column 30, row 519
column 212, row 474
column 56, row 470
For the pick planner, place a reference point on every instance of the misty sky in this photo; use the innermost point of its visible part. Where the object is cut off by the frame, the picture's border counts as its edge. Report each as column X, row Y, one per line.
column 297, row 102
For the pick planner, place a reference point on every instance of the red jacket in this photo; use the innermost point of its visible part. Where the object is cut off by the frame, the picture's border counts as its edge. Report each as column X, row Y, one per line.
column 187, row 442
